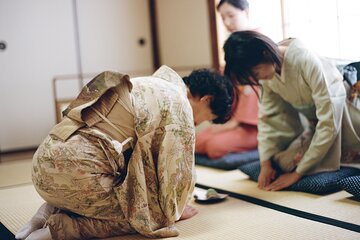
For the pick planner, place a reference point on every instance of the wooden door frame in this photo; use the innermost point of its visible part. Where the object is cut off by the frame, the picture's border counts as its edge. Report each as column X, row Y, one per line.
column 154, row 34
column 213, row 35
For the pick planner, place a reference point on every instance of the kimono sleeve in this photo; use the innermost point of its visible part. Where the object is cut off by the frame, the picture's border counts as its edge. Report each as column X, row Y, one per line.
column 279, row 124
column 329, row 96
column 176, row 170
column 159, row 181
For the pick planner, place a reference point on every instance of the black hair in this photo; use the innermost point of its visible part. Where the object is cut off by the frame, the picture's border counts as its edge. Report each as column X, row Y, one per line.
column 240, row 4
column 247, row 49
column 203, row 82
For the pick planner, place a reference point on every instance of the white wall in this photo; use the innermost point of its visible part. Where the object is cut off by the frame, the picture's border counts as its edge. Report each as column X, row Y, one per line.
column 41, row 40
column 40, row 44
column 184, row 34
column 109, row 35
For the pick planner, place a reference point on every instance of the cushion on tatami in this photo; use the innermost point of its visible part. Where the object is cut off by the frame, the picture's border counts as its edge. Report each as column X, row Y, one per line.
column 351, row 185
column 228, row 162
column 320, row 183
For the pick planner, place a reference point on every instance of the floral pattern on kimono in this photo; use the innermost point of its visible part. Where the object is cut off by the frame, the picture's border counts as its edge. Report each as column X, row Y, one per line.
column 102, row 194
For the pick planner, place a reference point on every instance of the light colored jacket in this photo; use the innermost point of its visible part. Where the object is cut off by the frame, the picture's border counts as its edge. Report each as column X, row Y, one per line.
column 313, row 86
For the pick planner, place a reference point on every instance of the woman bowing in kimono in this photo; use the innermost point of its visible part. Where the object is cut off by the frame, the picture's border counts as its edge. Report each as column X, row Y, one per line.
column 122, row 159
column 294, row 80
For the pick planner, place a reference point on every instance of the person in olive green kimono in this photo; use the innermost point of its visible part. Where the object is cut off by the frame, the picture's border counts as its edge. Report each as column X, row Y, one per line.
column 294, row 80
column 122, row 159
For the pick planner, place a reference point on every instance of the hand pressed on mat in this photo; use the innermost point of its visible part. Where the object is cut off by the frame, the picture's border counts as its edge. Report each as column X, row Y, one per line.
column 267, row 174
column 283, row 181
column 267, row 178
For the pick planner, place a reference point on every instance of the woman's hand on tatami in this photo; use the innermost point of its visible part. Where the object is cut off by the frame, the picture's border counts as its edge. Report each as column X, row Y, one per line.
column 267, row 175
column 283, row 181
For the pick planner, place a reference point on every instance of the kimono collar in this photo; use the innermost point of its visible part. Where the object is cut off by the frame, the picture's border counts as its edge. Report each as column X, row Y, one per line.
column 290, row 55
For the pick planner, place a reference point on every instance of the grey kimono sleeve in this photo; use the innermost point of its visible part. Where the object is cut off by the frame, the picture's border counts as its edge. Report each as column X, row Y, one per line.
column 279, row 124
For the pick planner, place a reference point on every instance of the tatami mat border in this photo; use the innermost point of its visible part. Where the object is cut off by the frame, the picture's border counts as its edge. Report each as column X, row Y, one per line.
column 5, row 233
column 294, row 212
column 16, row 185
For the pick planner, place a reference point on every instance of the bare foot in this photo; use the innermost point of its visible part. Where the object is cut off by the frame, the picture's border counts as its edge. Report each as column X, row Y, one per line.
column 188, row 212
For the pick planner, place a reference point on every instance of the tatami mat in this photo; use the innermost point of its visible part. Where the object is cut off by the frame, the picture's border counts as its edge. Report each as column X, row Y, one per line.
column 18, row 205
column 337, row 205
column 235, row 219
column 15, row 173
column 230, row 219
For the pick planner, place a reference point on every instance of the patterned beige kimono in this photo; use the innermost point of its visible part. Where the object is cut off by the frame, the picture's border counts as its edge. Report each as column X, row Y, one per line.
column 81, row 169
column 314, row 87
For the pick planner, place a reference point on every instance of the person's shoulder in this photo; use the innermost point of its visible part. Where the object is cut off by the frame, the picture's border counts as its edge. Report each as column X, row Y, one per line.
column 168, row 74
column 293, row 46
column 297, row 53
